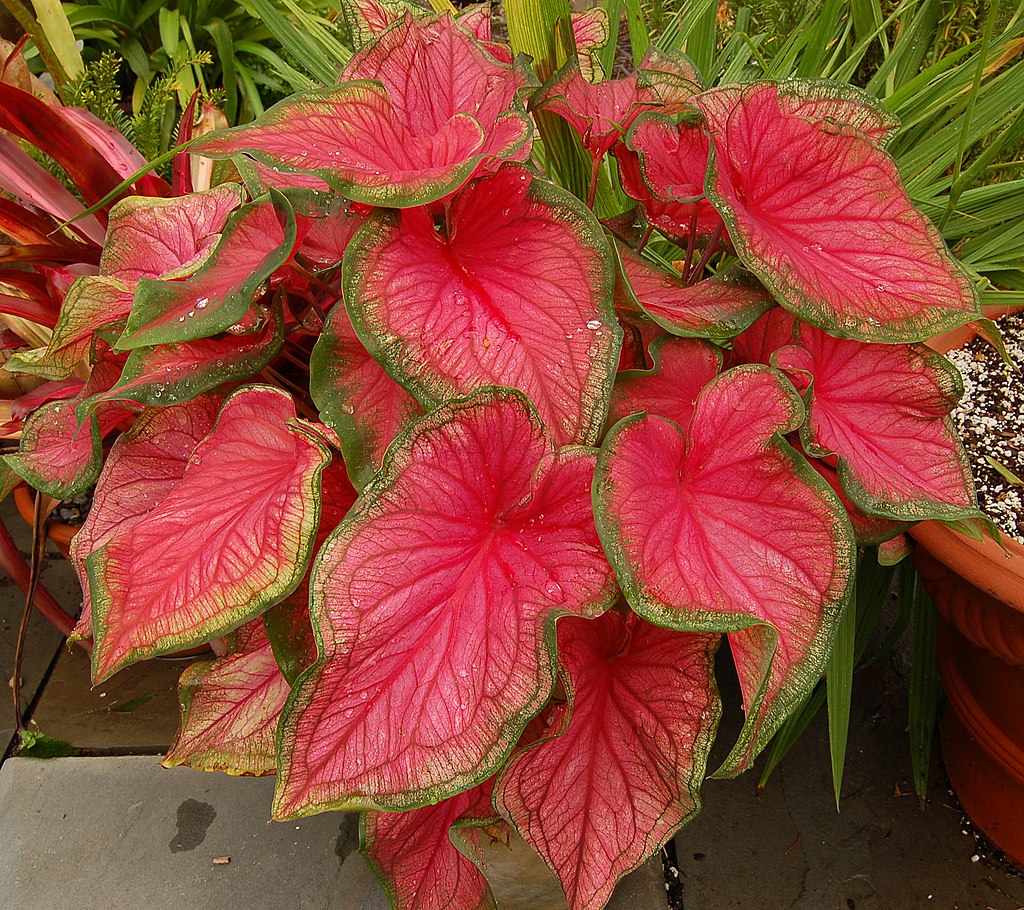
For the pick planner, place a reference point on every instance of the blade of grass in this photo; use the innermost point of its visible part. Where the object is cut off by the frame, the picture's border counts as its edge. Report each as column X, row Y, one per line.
column 639, row 37
column 839, row 690
column 986, row 37
column 607, row 55
column 924, row 680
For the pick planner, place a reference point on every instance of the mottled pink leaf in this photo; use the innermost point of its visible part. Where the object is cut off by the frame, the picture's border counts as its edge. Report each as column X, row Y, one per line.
column 230, row 708
column 599, row 113
column 356, row 398
column 663, row 164
column 230, row 539
column 607, row 794
column 428, row 858
column 328, row 234
column 719, row 307
column 883, row 409
column 682, row 367
column 144, row 465
column 433, row 71
column 818, row 212
column 415, row 133
column 673, row 76
column 91, row 303
column 257, row 240
column 165, row 238
column 434, row 604
column 517, row 293
column 724, row 528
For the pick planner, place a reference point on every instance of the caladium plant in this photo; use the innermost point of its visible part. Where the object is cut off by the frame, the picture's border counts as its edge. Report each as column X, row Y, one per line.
column 472, row 487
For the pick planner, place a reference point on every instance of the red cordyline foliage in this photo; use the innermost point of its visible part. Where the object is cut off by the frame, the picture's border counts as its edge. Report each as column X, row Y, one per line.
column 577, row 472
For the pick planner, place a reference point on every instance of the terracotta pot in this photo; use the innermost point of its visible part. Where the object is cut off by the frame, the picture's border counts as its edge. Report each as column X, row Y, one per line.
column 61, row 534
column 979, row 591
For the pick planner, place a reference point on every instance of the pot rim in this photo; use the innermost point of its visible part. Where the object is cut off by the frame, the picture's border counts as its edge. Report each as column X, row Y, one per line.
column 984, row 562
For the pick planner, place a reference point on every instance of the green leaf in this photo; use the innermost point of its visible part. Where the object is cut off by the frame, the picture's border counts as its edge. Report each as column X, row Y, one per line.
column 132, row 704
column 839, row 676
column 36, row 744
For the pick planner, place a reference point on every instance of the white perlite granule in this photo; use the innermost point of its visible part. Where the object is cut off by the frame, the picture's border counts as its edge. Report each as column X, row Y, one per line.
column 990, row 419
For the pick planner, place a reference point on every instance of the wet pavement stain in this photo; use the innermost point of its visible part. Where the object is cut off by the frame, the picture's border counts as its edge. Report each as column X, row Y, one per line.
column 347, row 841
column 194, row 820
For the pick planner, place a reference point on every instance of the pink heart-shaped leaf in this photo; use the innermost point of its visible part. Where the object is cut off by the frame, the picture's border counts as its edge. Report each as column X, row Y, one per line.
column 356, row 398
column 144, row 465
column 517, row 292
column 188, row 570
column 724, row 528
column 606, row 794
column 817, row 210
column 165, row 238
column 884, row 410
column 421, row 109
column 92, row 302
column 718, row 307
column 434, row 604
column 682, row 367
column 258, row 239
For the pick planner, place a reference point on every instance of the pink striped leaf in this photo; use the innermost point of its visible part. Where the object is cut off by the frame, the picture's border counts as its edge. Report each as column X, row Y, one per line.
column 600, row 114
column 230, row 708
column 818, row 212
column 194, row 570
column 144, row 465
column 166, row 238
column 518, row 293
column 682, row 367
column 429, row 858
column 91, row 303
column 258, row 239
column 607, row 794
column 172, row 373
column 434, row 605
column 356, row 398
column 421, row 109
column 718, row 308
column 328, row 233
column 663, row 163
column 722, row 527
column 884, row 411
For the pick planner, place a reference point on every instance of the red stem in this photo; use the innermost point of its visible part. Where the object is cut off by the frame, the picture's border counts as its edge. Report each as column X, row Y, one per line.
column 709, row 251
column 12, row 563
column 592, row 192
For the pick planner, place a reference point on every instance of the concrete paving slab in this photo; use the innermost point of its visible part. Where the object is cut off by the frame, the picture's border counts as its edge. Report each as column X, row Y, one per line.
column 97, row 719
column 788, row 849
column 123, row 834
